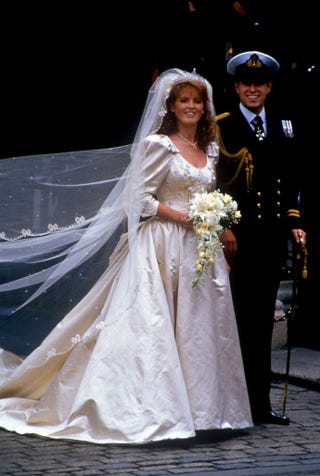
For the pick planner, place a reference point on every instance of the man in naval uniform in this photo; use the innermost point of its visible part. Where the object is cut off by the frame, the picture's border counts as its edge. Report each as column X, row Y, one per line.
column 258, row 167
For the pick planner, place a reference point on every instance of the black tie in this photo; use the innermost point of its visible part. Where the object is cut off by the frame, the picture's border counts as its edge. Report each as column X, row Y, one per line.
column 258, row 128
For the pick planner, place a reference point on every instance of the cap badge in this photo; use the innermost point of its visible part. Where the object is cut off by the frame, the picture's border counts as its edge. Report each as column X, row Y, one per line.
column 254, row 62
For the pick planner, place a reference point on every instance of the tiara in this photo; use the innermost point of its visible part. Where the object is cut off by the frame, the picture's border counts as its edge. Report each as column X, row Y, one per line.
column 192, row 76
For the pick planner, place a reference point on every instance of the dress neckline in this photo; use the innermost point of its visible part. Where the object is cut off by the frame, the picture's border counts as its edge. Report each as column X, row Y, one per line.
column 185, row 160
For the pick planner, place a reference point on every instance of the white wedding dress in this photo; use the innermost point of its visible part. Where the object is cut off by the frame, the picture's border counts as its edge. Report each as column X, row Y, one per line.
column 142, row 357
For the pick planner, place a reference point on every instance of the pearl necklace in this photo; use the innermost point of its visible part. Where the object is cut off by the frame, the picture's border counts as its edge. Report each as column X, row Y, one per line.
column 192, row 144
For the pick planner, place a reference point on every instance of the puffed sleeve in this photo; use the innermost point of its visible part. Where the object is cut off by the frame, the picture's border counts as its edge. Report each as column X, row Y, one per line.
column 157, row 158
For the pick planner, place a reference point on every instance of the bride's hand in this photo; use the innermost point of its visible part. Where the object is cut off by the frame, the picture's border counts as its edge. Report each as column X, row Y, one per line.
column 186, row 221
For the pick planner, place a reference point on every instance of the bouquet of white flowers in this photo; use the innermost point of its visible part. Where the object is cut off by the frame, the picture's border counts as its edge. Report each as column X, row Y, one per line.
column 212, row 213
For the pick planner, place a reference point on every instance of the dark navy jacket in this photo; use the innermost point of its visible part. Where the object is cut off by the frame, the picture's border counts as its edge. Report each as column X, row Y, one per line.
column 271, row 205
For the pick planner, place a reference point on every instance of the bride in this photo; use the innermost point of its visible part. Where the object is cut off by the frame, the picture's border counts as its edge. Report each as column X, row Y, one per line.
column 138, row 355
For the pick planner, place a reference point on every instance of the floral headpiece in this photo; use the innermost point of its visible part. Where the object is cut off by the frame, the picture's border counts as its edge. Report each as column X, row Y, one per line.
column 180, row 77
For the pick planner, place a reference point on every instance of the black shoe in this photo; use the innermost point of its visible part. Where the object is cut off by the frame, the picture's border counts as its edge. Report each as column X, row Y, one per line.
column 272, row 418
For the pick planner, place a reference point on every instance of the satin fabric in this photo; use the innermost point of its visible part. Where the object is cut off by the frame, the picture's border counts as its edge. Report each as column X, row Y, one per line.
column 143, row 356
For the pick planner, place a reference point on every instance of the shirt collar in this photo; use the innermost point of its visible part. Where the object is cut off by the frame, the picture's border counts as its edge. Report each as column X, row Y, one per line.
column 249, row 115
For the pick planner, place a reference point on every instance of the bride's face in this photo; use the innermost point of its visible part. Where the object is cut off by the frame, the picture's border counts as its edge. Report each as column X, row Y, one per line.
column 188, row 106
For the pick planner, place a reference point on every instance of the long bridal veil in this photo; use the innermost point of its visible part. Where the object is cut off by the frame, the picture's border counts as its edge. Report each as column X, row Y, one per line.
column 60, row 218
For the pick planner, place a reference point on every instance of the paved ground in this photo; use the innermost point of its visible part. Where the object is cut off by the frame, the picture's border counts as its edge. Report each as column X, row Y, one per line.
column 260, row 451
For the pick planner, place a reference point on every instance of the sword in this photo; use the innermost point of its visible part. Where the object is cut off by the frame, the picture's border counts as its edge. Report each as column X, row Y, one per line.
column 300, row 271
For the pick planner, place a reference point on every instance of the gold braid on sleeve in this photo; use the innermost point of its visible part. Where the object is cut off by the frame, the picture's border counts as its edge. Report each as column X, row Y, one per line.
column 243, row 156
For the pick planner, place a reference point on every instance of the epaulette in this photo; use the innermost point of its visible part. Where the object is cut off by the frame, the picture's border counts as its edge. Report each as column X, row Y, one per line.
column 223, row 115
column 243, row 155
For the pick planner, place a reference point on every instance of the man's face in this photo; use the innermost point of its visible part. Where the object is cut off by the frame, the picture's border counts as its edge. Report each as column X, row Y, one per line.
column 253, row 94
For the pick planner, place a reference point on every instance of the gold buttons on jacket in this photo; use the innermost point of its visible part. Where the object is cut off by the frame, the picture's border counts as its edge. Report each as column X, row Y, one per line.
column 260, row 208
column 259, row 205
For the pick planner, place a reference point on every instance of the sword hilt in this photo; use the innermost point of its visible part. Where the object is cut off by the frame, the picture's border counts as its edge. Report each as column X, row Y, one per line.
column 302, row 258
